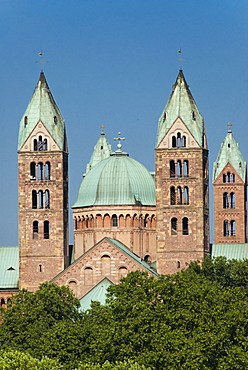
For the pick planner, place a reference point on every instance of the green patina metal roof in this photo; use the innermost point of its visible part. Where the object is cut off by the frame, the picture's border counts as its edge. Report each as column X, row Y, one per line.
column 231, row 251
column 117, row 180
column 42, row 107
column 102, row 150
column 98, row 294
column 181, row 104
column 230, row 152
column 9, row 267
column 132, row 255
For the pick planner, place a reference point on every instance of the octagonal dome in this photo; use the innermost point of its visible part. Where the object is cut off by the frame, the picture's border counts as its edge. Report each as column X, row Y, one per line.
column 117, row 180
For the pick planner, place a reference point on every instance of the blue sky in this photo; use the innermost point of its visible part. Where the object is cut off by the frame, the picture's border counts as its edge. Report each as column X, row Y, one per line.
column 113, row 62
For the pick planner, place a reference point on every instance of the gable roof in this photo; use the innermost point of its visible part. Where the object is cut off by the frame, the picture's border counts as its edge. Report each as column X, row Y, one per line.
column 9, row 267
column 97, row 293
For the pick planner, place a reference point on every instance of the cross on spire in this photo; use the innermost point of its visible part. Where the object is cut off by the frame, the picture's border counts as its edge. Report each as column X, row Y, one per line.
column 229, row 125
column 119, row 146
column 41, row 61
column 102, row 127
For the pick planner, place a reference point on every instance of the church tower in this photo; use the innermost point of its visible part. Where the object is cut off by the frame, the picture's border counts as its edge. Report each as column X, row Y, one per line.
column 43, row 190
column 230, row 189
column 181, row 182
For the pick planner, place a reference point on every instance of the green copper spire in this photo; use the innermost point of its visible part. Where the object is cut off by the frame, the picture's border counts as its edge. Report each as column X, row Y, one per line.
column 42, row 107
column 230, row 152
column 102, row 150
column 181, row 104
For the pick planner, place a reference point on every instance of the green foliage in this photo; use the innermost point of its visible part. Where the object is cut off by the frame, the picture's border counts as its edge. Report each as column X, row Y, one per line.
column 14, row 360
column 193, row 320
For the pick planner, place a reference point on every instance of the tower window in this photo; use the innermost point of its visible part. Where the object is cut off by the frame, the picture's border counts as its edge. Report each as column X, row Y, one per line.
column 193, row 115
column 179, row 169
column 233, row 228
column 232, row 177
column 25, row 120
column 225, row 226
column 34, row 199
column 40, row 268
column 40, row 171
column 184, row 141
column 174, row 142
column 47, row 199
column 179, row 195
column 174, row 226
column 47, row 169
column 45, row 144
column 185, row 168
column 178, row 264
column 35, row 229
column 32, row 171
column 178, row 140
column 46, row 230
column 232, row 200
column 40, row 144
column 40, row 192
column 55, row 119
column 35, row 145
column 225, row 200
column 186, row 195
column 185, row 226
column 172, row 195
column 172, row 169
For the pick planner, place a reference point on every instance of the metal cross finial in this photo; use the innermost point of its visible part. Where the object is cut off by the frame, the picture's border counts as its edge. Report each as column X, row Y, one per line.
column 119, row 140
column 102, row 127
column 180, row 59
column 229, row 125
column 41, row 61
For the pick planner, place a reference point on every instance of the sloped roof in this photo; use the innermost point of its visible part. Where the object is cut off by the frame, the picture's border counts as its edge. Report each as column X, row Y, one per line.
column 102, row 150
column 231, row 251
column 97, row 293
column 9, row 267
column 230, row 153
column 117, row 180
column 42, row 107
column 181, row 104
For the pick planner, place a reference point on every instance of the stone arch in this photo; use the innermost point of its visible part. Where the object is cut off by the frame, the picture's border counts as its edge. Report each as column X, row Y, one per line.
column 99, row 220
column 88, row 275
column 128, row 221
column 106, row 264
column 121, row 221
column 106, row 220
column 73, row 286
column 122, row 272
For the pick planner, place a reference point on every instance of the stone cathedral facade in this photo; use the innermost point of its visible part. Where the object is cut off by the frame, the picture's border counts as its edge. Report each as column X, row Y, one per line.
column 125, row 218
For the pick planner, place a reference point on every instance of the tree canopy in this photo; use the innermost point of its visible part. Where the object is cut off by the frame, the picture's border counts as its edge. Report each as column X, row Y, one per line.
column 196, row 319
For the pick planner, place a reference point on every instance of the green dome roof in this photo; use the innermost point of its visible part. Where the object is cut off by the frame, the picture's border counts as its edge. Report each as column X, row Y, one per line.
column 117, row 180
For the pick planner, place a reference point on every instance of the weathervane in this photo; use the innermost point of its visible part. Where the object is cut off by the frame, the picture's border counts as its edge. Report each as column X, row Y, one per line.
column 119, row 140
column 41, row 61
column 180, row 59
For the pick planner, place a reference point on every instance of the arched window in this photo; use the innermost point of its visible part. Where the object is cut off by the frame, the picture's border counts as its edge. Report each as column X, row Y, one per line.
column 174, row 142
column 179, row 195
column 34, row 199
column 73, row 286
column 122, row 272
column 172, row 169
column 184, row 141
column 40, row 194
column 40, row 268
column 228, row 177
column 47, row 199
column 172, row 195
column 179, row 169
column 35, row 145
column 32, row 171
column 224, row 177
column 185, row 168
column 2, row 302
column 232, row 200
column 225, row 200
column 178, row 140
column 178, row 264
column 105, row 263
column 174, row 226
column 46, row 230
column 233, row 228
column 225, row 228
column 232, row 177
column 35, row 229
column 55, row 120
column 47, row 169
column 88, row 276
column 185, row 226
column 45, row 144
column 186, row 195
column 40, row 171
column 40, row 144
column 114, row 221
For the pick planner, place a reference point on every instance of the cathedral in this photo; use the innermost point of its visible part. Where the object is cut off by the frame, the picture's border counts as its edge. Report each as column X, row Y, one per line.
column 125, row 218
